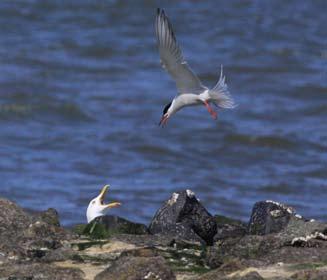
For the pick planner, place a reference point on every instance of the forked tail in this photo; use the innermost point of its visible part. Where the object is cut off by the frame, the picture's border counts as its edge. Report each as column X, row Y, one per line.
column 220, row 95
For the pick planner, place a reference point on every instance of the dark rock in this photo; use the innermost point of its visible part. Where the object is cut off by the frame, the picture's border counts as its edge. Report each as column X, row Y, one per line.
column 158, row 240
column 13, row 221
column 220, row 273
column 121, row 225
column 141, row 252
column 300, row 232
column 38, row 272
column 217, row 275
column 26, row 236
column 310, row 275
column 108, row 226
column 269, row 217
column 227, row 228
column 247, row 247
column 43, row 230
column 60, row 254
column 253, row 275
column 231, row 266
column 50, row 217
column 183, row 216
column 146, row 240
column 299, row 241
column 136, row 268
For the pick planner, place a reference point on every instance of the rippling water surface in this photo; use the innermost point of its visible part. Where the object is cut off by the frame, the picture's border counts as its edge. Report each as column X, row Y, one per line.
column 82, row 92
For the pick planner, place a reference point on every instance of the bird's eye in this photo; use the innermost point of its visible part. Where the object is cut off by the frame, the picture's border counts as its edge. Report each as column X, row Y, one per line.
column 93, row 202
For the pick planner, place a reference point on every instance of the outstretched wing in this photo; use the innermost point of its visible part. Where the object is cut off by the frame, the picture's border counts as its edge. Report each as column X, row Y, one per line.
column 172, row 58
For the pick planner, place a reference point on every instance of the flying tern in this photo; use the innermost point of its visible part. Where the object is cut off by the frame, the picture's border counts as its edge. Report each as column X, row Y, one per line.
column 190, row 89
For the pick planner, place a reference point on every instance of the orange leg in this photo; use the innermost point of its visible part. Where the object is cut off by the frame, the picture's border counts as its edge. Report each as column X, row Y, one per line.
column 210, row 110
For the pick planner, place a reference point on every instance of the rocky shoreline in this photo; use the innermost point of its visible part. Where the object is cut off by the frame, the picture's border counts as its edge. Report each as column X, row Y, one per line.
column 183, row 241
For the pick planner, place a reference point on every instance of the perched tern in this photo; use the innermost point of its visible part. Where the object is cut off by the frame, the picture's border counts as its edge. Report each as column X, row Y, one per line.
column 190, row 89
column 97, row 207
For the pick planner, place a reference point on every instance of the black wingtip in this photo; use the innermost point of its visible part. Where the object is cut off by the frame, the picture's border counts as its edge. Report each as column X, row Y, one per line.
column 160, row 11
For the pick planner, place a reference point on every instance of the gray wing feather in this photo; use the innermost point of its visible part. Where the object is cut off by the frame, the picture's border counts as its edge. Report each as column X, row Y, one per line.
column 172, row 58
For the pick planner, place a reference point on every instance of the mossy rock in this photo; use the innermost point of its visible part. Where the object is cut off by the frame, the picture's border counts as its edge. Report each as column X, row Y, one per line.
column 105, row 227
column 221, row 220
column 185, row 260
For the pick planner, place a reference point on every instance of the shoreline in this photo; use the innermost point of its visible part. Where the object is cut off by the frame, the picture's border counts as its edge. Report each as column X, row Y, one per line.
column 183, row 241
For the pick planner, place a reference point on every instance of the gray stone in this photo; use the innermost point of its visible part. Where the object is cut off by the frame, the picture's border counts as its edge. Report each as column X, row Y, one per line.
column 227, row 228
column 185, row 217
column 39, row 272
column 300, row 232
column 50, row 217
column 60, row 254
column 225, row 269
column 147, row 240
column 299, row 241
column 13, row 221
column 26, row 236
column 310, row 275
column 121, row 225
column 253, row 275
column 269, row 217
column 136, row 268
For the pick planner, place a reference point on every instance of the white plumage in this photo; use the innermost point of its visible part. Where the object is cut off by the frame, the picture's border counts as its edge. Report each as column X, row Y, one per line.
column 190, row 89
column 97, row 207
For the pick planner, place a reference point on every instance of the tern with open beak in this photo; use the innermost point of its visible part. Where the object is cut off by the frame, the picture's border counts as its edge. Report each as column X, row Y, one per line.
column 190, row 89
column 97, row 207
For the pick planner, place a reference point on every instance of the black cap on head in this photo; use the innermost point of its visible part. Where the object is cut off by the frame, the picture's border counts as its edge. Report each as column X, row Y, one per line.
column 166, row 108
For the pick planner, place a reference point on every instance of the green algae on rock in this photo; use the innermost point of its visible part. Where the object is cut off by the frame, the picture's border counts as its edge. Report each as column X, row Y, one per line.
column 108, row 226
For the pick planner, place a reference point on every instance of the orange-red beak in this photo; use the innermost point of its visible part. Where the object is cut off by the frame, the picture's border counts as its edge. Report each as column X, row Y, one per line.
column 163, row 120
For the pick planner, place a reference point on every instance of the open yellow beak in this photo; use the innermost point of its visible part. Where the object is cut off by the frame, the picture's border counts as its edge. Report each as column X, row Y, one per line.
column 102, row 196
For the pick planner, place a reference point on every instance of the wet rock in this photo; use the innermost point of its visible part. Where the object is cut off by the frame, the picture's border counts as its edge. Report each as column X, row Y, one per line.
column 184, row 216
column 39, row 271
column 227, row 228
column 135, row 268
column 269, row 217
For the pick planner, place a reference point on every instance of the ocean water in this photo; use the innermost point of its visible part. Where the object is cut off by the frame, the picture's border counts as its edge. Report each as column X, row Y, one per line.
column 82, row 91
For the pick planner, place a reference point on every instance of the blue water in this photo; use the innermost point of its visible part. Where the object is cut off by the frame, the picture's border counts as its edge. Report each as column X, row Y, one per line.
column 82, row 91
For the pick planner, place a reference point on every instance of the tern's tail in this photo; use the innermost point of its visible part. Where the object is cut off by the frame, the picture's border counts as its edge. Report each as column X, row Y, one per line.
column 220, row 95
